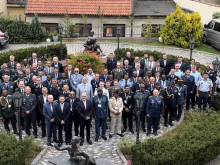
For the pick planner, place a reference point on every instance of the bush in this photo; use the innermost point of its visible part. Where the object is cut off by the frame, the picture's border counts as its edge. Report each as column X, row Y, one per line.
column 180, row 28
column 44, row 52
column 216, row 102
column 15, row 152
column 23, row 32
column 84, row 61
column 195, row 141
column 216, row 15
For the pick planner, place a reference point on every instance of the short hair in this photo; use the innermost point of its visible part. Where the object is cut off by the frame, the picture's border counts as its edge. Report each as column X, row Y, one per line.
column 61, row 96
column 127, row 86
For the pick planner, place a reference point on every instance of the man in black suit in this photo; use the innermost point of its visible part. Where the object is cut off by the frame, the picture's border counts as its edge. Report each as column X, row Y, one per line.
column 157, row 69
column 166, row 64
column 136, row 60
column 41, row 100
column 172, row 77
column 151, row 86
column 129, row 58
column 111, row 63
column 62, row 115
column 127, row 67
column 34, row 59
column 56, row 74
column 69, row 71
column 144, row 61
column 84, row 109
column 140, row 72
column 181, row 63
column 57, row 64
column 12, row 63
column 104, row 76
column 73, row 101
column 192, row 63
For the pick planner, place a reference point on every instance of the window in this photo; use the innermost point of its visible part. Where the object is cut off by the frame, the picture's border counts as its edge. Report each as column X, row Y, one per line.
column 110, row 30
column 51, row 27
column 83, row 30
column 210, row 25
column 217, row 27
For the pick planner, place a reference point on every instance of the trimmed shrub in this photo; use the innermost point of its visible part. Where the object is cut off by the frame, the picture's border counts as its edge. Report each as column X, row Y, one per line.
column 194, row 142
column 44, row 52
column 15, row 152
column 216, row 102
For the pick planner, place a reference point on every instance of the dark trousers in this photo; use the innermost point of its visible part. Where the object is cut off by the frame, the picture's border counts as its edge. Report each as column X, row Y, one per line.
column 203, row 98
column 143, row 116
column 179, row 112
column 42, row 120
column 85, row 123
column 22, row 119
column 193, row 98
column 13, row 123
column 167, row 112
column 153, row 121
column 51, row 131
column 127, row 117
column 188, row 98
column 66, row 130
column 76, row 127
column 102, row 122
column 31, row 120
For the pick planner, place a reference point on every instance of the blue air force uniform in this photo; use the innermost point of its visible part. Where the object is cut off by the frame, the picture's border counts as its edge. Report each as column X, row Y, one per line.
column 182, row 93
column 154, row 109
column 75, row 80
column 122, row 83
column 204, row 88
column 100, row 105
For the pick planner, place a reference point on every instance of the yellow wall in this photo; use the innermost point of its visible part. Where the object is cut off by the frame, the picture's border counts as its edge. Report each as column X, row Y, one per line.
column 3, row 7
column 14, row 12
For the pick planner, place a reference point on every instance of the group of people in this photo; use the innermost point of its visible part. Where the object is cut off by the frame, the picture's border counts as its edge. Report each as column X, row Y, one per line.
column 57, row 99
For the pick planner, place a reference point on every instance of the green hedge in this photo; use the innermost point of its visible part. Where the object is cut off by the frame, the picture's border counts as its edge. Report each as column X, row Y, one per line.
column 15, row 152
column 216, row 102
column 44, row 52
column 195, row 141
column 157, row 55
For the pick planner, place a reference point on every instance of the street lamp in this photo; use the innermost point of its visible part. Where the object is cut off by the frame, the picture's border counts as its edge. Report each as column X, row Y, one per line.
column 139, row 98
column 118, row 29
column 191, row 46
column 17, row 99
column 61, row 45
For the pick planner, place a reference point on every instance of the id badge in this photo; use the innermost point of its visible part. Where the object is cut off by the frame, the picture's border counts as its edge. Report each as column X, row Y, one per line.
column 99, row 105
column 179, row 94
column 9, row 106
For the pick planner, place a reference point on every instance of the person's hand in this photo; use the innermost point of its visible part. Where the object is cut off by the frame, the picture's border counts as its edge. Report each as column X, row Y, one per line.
column 148, row 115
column 51, row 120
column 197, row 95
column 1, row 118
column 126, row 110
column 62, row 122
column 191, row 92
column 209, row 94
column 87, row 118
column 27, row 112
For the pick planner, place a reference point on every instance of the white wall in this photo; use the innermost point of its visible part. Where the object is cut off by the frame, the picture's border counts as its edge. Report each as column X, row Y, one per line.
column 204, row 10
column 3, row 7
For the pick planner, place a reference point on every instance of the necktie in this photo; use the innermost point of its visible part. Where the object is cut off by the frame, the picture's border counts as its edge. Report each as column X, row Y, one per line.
column 150, row 64
column 84, row 102
column 56, row 75
column 6, row 86
column 151, row 86
column 84, row 89
column 69, row 74
column 51, row 108
column 157, row 69
column 126, row 81
column 165, row 62
column 61, row 107
column 34, row 60
column 49, row 70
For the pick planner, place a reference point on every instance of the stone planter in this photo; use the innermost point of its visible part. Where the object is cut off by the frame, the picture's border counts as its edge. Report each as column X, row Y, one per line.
column 55, row 38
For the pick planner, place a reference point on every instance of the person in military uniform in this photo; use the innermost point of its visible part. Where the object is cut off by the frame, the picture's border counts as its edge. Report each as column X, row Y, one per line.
column 118, row 72
column 102, row 87
column 95, row 82
column 128, row 109
column 189, row 81
column 154, row 109
column 16, row 71
column 143, row 110
column 181, row 99
column 20, row 78
column 111, row 63
column 65, row 92
column 160, row 91
column 28, row 110
column 75, row 79
column 126, row 81
column 204, row 90
column 7, row 85
column 151, row 86
column 172, row 76
column 7, row 111
column 54, row 89
column 63, row 80
column 114, row 88
column 170, row 103
column 100, row 109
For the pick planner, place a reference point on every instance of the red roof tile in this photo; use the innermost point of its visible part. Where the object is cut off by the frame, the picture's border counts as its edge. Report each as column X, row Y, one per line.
column 90, row 7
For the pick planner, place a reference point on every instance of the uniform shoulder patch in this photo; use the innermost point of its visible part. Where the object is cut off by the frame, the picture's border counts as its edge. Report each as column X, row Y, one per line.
column 150, row 96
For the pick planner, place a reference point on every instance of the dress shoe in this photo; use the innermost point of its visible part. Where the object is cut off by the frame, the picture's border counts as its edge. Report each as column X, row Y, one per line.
column 49, row 144
column 158, row 127
column 155, row 133
column 96, row 139
column 120, row 134
column 105, row 138
column 81, row 143
column 166, row 125
column 124, row 130
column 60, row 144
column 148, row 134
column 144, row 130
column 89, row 141
column 55, row 141
column 132, row 131
column 171, row 124
column 43, row 135
column 110, row 135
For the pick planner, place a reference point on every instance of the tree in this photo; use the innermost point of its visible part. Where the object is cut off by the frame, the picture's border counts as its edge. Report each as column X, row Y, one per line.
column 216, row 15
column 147, row 29
column 69, row 26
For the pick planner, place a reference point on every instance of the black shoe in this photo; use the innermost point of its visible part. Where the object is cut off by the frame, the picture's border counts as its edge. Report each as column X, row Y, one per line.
column 55, row 141
column 171, row 124
column 124, row 130
column 60, row 144
column 110, row 136
column 132, row 131
column 49, row 144
column 16, row 132
column 166, row 125
column 76, row 134
column 96, row 139
column 81, row 143
column 106, row 126
column 178, row 120
column 155, row 133
column 120, row 134
column 43, row 135
column 148, row 134
column 105, row 138
column 144, row 130
column 89, row 141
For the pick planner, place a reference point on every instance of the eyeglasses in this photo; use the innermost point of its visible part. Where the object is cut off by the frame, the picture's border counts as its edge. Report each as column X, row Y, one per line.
column 142, row 87
column 76, row 71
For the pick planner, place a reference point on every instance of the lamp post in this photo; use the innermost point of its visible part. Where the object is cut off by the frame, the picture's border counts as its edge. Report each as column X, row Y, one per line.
column 61, row 45
column 191, row 46
column 17, row 99
column 139, row 98
column 216, row 67
column 118, row 29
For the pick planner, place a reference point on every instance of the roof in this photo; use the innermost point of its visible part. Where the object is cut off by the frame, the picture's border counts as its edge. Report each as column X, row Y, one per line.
column 154, row 8
column 90, row 7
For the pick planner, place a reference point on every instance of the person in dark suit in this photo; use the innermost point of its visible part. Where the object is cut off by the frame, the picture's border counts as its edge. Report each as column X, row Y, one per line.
column 48, row 112
column 181, row 63
column 137, row 85
column 136, row 60
column 111, row 63
column 48, row 82
column 192, row 63
column 73, row 101
column 140, row 72
column 127, row 67
column 95, row 82
column 84, row 109
column 57, row 64
column 56, row 74
column 34, row 59
column 62, row 115
column 129, row 58
column 9, row 86
column 144, row 61
column 151, row 86
column 166, row 64
column 12, row 63
column 69, row 71
column 28, row 106
column 157, row 69
column 172, row 76
column 41, row 100
column 104, row 76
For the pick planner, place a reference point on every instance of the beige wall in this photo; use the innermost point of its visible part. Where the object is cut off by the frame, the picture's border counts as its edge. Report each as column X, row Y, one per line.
column 204, row 10
column 3, row 7
column 14, row 12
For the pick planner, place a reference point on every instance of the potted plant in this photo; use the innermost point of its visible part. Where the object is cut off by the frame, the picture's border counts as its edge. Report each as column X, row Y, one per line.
column 55, row 36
